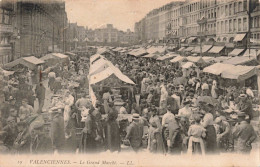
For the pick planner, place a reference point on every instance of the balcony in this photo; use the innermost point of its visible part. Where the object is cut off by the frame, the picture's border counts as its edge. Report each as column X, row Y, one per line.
column 5, row 28
column 203, row 20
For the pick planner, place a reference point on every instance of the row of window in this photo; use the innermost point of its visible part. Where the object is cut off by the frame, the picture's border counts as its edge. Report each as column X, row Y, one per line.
column 256, row 22
column 4, row 59
column 255, row 35
column 207, row 3
column 5, row 40
column 5, row 16
column 232, row 25
column 190, row 8
column 231, row 9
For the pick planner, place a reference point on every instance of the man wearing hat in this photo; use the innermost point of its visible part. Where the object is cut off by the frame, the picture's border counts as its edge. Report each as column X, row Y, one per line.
column 163, row 97
column 223, row 133
column 172, row 102
column 40, row 143
column 22, row 142
column 3, row 148
column 244, row 133
column 245, row 105
column 57, row 129
column 185, row 111
column 135, row 133
column 40, row 95
column 12, row 132
column 7, row 106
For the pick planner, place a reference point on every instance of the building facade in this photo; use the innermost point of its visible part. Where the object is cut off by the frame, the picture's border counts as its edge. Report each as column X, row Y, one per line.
column 206, row 20
column 32, row 28
column 6, row 32
column 108, row 35
column 41, row 27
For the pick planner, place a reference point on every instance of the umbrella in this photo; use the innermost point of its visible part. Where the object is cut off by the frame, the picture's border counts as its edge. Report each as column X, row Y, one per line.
column 207, row 99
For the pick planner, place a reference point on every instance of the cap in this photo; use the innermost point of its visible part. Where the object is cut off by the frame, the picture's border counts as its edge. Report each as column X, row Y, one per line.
column 25, row 100
column 186, row 102
column 242, row 95
column 136, row 116
column 11, row 98
column 218, row 120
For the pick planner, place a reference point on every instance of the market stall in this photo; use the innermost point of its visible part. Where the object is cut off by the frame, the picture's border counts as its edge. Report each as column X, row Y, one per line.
column 55, row 58
column 104, row 74
column 30, row 62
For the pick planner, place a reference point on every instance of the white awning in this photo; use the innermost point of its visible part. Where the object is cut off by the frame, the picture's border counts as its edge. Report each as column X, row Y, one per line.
column 217, row 68
column 98, row 66
column 239, row 72
column 195, row 59
column 183, row 40
column 206, row 48
column 188, row 65
column 192, row 39
column 216, row 49
column 239, row 60
column 151, row 55
column 189, row 49
column 95, row 57
column 107, row 73
column 165, row 57
column 181, row 49
column 239, row 37
column 178, row 59
column 236, row 52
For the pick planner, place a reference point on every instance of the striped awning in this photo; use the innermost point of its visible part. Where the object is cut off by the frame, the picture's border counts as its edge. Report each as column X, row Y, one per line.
column 239, row 37
column 236, row 52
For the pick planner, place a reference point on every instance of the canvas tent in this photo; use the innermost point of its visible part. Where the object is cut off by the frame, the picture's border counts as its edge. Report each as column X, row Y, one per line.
column 239, row 72
column 54, row 58
column 151, row 55
column 165, row 57
column 178, row 59
column 188, row 65
column 30, row 62
column 239, row 60
column 236, row 52
column 138, row 52
column 217, row 68
column 195, row 59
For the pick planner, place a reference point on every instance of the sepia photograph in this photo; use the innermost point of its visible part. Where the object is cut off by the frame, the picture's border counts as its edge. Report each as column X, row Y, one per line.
column 129, row 83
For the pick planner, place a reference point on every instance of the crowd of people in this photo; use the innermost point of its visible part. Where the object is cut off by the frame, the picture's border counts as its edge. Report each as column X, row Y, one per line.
column 170, row 113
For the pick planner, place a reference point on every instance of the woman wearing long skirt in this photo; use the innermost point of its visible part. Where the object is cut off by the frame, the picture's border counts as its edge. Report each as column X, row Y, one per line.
column 211, row 136
column 112, row 135
column 155, row 140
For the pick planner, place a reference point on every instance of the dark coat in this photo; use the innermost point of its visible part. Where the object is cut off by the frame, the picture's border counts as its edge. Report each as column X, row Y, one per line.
column 88, row 143
column 173, row 103
column 57, row 132
column 112, row 134
column 175, row 137
column 71, row 142
column 40, row 91
column 135, row 134
column 11, row 135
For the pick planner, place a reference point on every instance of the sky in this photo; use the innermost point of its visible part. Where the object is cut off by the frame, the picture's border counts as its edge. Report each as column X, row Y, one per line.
column 121, row 13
